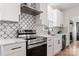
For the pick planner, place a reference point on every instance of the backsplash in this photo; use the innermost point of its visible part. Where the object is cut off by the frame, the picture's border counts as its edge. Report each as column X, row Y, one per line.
column 8, row 30
column 40, row 30
column 27, row 22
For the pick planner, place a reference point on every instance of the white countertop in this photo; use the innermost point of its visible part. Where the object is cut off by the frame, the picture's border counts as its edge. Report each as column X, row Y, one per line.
column 44, row 35
column 63, row 34
column 10, row 41
column 51, row 35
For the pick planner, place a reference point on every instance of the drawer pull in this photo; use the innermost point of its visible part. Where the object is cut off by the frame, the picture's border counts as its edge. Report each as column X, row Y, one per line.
column 49, row 45
column 50, row 40
column 15, row 48
column 58, row 41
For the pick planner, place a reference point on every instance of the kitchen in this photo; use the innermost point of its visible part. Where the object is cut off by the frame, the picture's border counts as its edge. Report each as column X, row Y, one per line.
column 34, row 29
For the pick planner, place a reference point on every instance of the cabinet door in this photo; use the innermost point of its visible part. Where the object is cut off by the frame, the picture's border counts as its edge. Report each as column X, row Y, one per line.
column 42, row 18
column 19, row 53
column 58, row 13
column 67, row 40
column 54, row 13
column 50, row 47
column 10, row 11
column 57, row 44
column 50, row 23
column 61, row 19
column 57, row 18
column 49, row 50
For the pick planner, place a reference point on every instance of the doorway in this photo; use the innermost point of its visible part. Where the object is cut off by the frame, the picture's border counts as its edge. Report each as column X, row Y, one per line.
column 77, row 28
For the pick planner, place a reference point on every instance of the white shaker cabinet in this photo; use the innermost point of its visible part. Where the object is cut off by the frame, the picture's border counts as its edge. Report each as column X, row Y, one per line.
column 15, row 49
column 50, row 16
column 9, row 12
column 50, row 23
column 59, row 37
column 54, row 45
column 50, row 46
column 42, row 19
column 67, row 40
column 57, row 44
column 57, row 17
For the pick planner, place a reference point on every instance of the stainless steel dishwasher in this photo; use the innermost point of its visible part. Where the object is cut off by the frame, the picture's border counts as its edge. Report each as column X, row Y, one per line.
column 63, row 42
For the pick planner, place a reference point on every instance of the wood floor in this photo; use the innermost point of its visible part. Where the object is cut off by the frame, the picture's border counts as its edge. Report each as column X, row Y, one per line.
column 72, row 50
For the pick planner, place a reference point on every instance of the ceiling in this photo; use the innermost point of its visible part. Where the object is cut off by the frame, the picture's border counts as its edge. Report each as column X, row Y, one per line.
column 64, row 6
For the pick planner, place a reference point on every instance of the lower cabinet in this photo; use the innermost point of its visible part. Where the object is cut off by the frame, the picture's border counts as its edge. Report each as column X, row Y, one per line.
column 19, row 53
column 15, row 49
column 57, row 44
column 54, row 45
column 49, row 50
column 50, row 46
column 67, row 40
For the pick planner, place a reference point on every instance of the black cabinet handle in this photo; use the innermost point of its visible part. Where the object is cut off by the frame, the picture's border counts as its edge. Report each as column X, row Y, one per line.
column 58, row 41
column 49, row 45
column 49, row 40
column 15, row 48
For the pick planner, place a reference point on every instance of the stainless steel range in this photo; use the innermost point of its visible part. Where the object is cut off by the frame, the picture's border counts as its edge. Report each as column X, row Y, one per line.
column 34, row 43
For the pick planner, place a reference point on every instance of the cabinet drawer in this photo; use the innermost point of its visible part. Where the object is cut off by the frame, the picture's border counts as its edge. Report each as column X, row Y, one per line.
column 50, row 51
column 50, row 45
column 50, row 40
column 19, row 53
column 14, row 48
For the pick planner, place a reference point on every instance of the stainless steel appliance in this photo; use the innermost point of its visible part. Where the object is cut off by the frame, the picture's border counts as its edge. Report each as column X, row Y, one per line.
column 35, row 45
column 71, row 38
column 63, row 42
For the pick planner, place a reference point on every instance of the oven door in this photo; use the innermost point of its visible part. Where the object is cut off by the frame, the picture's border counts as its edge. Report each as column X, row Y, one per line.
column 40, row 50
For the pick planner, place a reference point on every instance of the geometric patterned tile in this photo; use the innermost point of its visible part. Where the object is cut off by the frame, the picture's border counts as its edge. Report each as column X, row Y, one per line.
column 27, row 21
column 8, row 30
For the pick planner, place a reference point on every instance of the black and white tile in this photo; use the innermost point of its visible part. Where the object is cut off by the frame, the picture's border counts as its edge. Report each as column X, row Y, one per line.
column 27, row 22
column 8, row 30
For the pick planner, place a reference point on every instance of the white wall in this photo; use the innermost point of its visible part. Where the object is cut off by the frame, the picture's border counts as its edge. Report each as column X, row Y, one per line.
column 73, row 12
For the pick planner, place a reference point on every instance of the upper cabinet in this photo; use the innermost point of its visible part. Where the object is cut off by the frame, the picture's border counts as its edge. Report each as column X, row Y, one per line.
column 9, row 12
column 58, row 18
column 55, row 17
column 42, row 18
column 50, row 16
